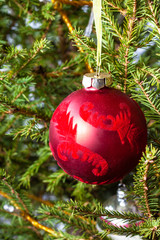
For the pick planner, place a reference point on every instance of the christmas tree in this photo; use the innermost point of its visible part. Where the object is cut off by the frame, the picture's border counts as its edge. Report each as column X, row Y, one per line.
column 46, row 48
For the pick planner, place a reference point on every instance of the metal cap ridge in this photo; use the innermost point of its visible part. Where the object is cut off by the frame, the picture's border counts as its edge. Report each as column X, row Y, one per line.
column 92, row 80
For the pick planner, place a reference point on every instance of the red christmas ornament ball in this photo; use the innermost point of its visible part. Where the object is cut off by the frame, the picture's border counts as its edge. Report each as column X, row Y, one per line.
column 97, row 136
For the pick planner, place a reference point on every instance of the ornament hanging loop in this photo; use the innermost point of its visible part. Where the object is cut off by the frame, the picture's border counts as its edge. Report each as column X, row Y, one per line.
column 97, row 6
column 98, row 70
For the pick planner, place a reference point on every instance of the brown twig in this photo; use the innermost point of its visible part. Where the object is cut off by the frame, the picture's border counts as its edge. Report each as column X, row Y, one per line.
column 21, row 92
column 122, row 11
column 156, row 141
column 146, row 189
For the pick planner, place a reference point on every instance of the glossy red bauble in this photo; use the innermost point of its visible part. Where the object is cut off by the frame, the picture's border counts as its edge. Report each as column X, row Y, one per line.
column 97, row 136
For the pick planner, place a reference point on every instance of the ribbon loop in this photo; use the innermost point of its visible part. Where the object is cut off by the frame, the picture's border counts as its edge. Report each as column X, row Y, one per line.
column 97, row 6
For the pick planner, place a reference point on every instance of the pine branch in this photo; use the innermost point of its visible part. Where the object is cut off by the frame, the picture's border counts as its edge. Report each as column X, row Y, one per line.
column 117, row 6
column 49, row 208
column 82, row 191
column 127, row 231
column 30, row 129
column 148, row 97
column 150, row 229
column 18, row 203
column 11, row 53
column 155, row 73
column 47, row 12
column 71, row 29
column 38, row 47
column 21, row 7
column 131, row 23
column 98, row 211
column 112, row 25
column 44, row 155
column 154, row 16
column 146, row 189
column 54, row 179
column 145, row 182
column 9, row 122
column 14, row 229
column 22, row 110
column 14, row 196
column 47, row 29
column 82, row 41
column 18, row 95
column 79, row 223
column 27, row 104
column 47, row 211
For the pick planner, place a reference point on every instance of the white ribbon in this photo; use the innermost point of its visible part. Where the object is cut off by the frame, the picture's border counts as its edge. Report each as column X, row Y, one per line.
column 97, row 6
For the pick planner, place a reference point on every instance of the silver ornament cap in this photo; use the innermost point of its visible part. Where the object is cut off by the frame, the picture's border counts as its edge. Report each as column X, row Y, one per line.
column 98, row 82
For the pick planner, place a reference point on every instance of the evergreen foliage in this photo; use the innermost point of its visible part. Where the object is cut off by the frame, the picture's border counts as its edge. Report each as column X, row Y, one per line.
column 40, row 66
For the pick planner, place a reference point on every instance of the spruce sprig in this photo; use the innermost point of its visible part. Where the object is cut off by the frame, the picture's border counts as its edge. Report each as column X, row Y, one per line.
column 54, row 179
column 88, row 225
column 146, row 182
column 98, row 210
column 44, row 154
